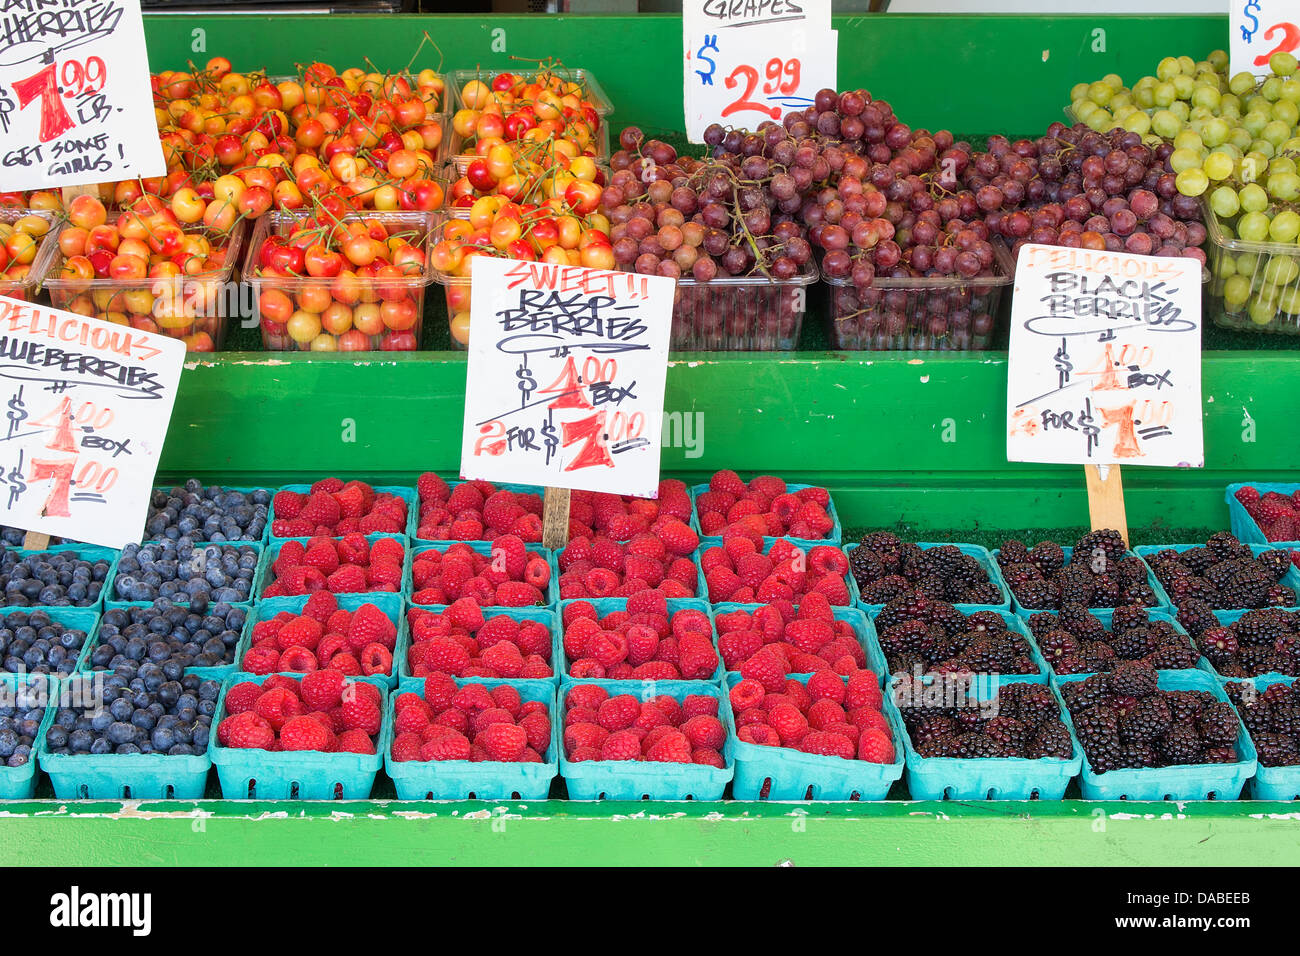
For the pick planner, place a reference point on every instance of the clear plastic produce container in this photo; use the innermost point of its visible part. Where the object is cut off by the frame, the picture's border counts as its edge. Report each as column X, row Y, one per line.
column 1254, row 286
column 194, row 308
column 919, row 314
column 741, row 313
column 47, row 247
column 592, row 91
column 381, row 320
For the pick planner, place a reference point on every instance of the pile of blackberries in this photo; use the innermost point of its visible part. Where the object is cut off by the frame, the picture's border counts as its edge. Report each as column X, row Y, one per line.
column 1023, row 720
column 211, row 513
column 1261, row 641
column 1075, row 641
column 140, row 712
column 1273, row 718
column 169, row 635
column 184, row 571
column 35, row 643
column 925, row 636
column 1100, row 573
column 51, row 579
column 887, row 568
column 1225, row 574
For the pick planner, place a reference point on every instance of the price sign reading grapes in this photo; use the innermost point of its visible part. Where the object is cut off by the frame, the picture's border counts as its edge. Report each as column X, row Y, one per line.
column 85, row 410
column 1105, row 359
column 755, row 61
column 75, row 101
column 565, row 380
column 1259, row 28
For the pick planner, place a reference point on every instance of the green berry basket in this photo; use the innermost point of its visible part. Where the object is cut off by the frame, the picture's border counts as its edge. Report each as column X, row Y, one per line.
column 476, row 780
column 1245, row 528
column 404, row 492
column 266, row 574
column 863, row 631
column 545, row 615
column 111, row 598
column 1271, row 783
column 484, row 548
column 606, row 606
column 1290, row 580
column 980, row 554
column 85, row 552
column 19, row 783
column 248, row 774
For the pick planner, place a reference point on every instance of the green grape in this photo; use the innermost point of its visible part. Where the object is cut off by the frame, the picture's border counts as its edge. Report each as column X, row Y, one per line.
column 1113, row 79
column 1240, row 138
column 1253, row 227
column 1083, row 109
column 1165, row 124
column 1257, row 103
column 1271, row 89
column 1264, row 148
column 1188, row 139
column 1099, row 121
column 1285, row 111
column 1198, row 116
column 1138, row 122
column 1168, row 68
column 1254, row 122
column 1225, row 267
column 1187, row 64
column 1224, row 202
column 1180, row 109
column 1145, row 97
column 1192, row 182
column 1236, row 290
column 1121, row 113
column 1215, row 132
column 1247, row 263
column 1100, row 93
column 1218, row 166
column 1121, row 99
column 1282, row 270
column 1183, row 86
column 1218, row 59
column 1181, row 160
column 1263, row 310
column 1206, row 97
column 1284, row 187
column 1291, row 90
column 1252, row 196
column 1281, row 164
column 1291, row 145
column 1276, row 132
column 1283, row 64
column 1241, row 83
column 1078, row 91
column 1289, row 300
column 1165, row 94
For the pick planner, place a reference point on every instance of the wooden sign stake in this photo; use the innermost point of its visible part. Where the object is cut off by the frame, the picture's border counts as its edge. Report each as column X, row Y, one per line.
column 555, row 518
column 1106, row 499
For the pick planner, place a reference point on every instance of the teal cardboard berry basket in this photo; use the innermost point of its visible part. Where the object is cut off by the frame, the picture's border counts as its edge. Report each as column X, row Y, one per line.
column 1220, row 781
column 482, row 780
column 266, row 575
column 545, row 615
column 401, row 491
column 1161, row 599
column 391, row 604
column 1290, row 580
column 79, row 618
column 19, row 783
column 111, row 598
column 863, row 630
column 1271, row 783
column 606, row 606
column 116, row 776
column 982, row 555
column 1245, row 528
column 85, row 552
column 641, row 779
column 551, row 593
column 1106, row 616
column 242, row 489
column 1016, row 625
column 443, row 542
column 707, row 543
column 1231, row 617
column 834, row 538
column 217, row 671
column 784, row 773
column 248, row 774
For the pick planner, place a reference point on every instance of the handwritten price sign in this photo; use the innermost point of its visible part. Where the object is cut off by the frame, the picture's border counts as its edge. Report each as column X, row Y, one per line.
column 1258, row 29
column 565, row 384
column 85, row 409
column 75, row 101
column 1105, row 363
column 747, row 62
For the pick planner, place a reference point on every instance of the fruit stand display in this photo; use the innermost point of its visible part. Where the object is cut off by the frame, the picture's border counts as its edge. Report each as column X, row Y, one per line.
column 389, row 662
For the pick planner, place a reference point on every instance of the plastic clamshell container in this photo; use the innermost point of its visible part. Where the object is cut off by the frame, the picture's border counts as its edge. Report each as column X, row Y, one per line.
column 405, row 492
column 592, row 91
column 167, row 490
column 459, row 157
column 863, row 630
column 196, row 308
column 1289, row 580
column 484, row 780
column 642, row 779
column 1014, row 624
column 1226, row 618
column 545, row 615
column 396, row 333
column 790, row 774
column 1245, row 528
column 47, row 248
column 707, row 543
column 112, row 600
column 1107, row 615
column 606, row 606
column 214, row 671
column 478, row 547
column 980, row 554
column 1271, row 783
column 1262, row 280
column 414, row 529
column 267, row 574
column 86, row 552
column 19, row 783
column 919, row 314
column 1162, row 599
column 391, row 604
column 116, row 776
column 248, row 774
column 741, row 313
column 837, row 532
column 1218, row 781
column 992, row 778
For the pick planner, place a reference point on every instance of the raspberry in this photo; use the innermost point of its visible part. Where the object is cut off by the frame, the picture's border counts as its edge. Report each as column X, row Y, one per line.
column 622, row 745
column 354, row 742
column 277, row 706
column 676, row 535
column 360, row 712
column 538, row 728
column 370, row 625
column 451, row 746
column 671, row 747
column 406, row 746
column 826, row 685
column 245, row 730
column 305, row 733
column 242, row 697
column 875, row 746
column 705, row 731
column 827, row 745
column 790, row 725
column 618, row 713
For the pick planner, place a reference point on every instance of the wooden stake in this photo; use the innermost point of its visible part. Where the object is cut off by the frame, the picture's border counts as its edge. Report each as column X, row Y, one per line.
column 1106, row 499
column 35, row 541
column 555, row 518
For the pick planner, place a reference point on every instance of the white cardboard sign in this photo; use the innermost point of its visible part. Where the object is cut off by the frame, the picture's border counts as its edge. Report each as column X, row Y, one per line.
column 1259, row 28
column 76, row 105
column 746, row 62
column 1105, row 359
column 85, row 407
column 565, row 379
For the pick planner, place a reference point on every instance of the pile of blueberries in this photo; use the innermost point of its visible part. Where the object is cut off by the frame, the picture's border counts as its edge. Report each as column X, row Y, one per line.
column 211, row 513
column 140, row 711
column 37, row 644
column 51, row 579
column 184, row 572
column 21, row 710
column 168, row 635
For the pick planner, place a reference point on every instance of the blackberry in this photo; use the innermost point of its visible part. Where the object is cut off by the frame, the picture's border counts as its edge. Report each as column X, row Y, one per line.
column 1078, row 589
column 1106, row 592
column 945, row 745
column 1280, row 596
column 1276, row 750
column 1081, row 622
column 1148, row 719
column 1275, row 563
column 1028, row 703
column 1058, row 643
column 1107, row 543
column 1225, row 547
column 906, row 663
column 1010, row 733
column 1174, row 654
column 986, row 593
column 904, row 608
column 1220, row 755
column 1051, row 740
column 1217, row 724
column 1142, row 594
column 1138, row 755
column 1184, row 705
column 929, row 727
column 1048, row 557
column 1196, row 616
column 986, row 621
column 1132, row 644
column 1130, row 571
column 1285, row 718
column 885, row 589
column 1013, row 552
column 1262, row 628
column 1128, row 616
column 1097, row 721
column 1038, row 594
column 933, row 588
column 976, row 745
column 1133, row 679
column 1043, row 621
column 1085, row 693
column 866, row 567
column 1104, row 751
column 1098, row 656
column 946, row 616
column 1180, row 745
